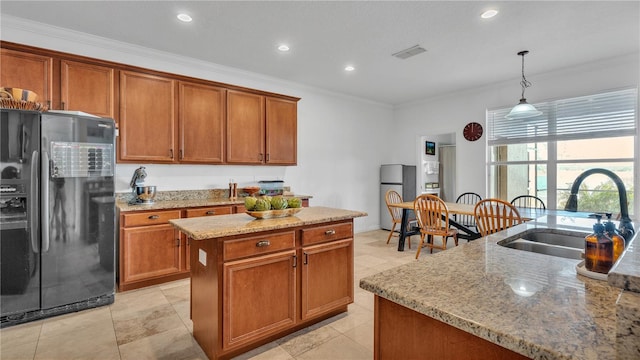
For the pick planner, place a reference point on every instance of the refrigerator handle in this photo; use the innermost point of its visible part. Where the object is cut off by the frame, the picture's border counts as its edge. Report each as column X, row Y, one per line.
column 44, row 191
column 33, row 206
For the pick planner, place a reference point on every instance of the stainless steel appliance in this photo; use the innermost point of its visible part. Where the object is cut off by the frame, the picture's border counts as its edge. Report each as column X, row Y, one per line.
column 52, row 262
column 401, row 178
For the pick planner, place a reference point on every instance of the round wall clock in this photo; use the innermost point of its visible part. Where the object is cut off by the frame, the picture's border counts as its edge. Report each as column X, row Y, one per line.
column 472, row 131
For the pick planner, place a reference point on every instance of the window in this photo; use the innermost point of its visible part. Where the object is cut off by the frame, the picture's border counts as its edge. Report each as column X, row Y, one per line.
column 542, row 156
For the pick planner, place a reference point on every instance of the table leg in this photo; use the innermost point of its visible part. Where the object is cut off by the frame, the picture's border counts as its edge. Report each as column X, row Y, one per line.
column 466, row 233
column 403, row 229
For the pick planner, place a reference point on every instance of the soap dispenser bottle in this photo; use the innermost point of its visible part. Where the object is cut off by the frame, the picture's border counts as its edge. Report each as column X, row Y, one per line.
column 616, row 238
column 598, row 250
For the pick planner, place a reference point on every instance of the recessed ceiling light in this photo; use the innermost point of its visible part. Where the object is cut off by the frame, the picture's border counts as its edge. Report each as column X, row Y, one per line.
column 489, row 14
column 184, row 17
column 349, row 68
column 283, row 47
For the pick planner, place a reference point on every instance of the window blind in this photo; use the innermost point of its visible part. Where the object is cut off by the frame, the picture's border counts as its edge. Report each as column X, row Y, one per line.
column 608, row 114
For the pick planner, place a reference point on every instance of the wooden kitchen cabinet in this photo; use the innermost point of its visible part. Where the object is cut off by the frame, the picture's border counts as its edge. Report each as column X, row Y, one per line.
column 259, row 297
column 61, row 83
column 261, row 129
column 87, row 87
column 150, row 250
column 327, row 277
column 245, row 128
column 162, row 117
column 147, row 118
column 201, row 119
column 281, row 131
column 27, row 71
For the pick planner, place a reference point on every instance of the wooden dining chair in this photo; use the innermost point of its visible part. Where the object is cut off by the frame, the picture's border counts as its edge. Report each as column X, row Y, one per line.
column 393, row 197
column 433, row 219
column 469, row 198
column 528, row 201
column 493, row 215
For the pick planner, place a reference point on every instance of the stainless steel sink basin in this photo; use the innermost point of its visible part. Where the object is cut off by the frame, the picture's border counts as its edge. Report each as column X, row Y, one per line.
column 564, row 244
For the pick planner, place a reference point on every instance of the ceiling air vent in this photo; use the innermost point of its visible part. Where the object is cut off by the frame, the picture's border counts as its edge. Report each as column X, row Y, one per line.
column 407, row 53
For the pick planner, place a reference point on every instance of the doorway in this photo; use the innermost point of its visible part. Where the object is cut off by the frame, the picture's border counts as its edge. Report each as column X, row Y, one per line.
column 436, row 168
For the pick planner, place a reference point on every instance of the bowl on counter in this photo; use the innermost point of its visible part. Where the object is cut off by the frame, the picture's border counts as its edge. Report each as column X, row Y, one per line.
column 144, row 194
column 251, row 190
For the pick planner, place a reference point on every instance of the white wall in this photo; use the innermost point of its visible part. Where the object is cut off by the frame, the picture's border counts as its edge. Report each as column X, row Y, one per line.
column 339, row 137
column 451, row 112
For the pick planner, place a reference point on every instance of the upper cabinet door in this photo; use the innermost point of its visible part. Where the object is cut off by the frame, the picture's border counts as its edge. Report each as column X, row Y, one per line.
column 282, row 131
column 86, row 87
column 201, row 122
column 27, row 71
column 245, row 128
column 147, row 118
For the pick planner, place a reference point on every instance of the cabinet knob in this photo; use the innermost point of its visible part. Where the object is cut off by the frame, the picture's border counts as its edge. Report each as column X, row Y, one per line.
column 330, row 232
column 263, row 243
column 154, row 217
column 210, row 212
column 171, row 153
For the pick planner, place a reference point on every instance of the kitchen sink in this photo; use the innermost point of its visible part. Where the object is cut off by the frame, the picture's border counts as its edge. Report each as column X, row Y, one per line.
column 552, row 242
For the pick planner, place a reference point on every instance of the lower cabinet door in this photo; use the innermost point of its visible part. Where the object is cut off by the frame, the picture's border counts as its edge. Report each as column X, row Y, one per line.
column 259, row 297
column 150, row 251
column 327, row 277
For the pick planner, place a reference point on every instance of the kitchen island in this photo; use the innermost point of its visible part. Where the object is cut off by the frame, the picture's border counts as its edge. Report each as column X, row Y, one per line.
column 255, row 280
column 481, row 300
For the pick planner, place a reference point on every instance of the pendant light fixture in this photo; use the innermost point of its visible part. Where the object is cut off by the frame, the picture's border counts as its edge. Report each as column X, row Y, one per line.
column 523, row 110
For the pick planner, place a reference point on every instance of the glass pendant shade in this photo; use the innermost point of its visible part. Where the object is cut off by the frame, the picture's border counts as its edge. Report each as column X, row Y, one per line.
column 523, row 110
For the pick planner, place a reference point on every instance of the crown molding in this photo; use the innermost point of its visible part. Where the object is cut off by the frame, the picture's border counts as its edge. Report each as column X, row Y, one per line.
column 28, row 32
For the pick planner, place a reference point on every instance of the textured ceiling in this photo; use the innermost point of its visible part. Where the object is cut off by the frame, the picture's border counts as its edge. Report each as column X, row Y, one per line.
column 463, row 50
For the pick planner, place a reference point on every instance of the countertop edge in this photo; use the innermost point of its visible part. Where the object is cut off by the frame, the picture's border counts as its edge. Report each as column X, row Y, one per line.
column 215, row 230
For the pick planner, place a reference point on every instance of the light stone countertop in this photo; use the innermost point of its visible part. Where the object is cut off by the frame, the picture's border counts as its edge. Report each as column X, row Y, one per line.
column 184, row 199
column 200, row 228
column 530, row 303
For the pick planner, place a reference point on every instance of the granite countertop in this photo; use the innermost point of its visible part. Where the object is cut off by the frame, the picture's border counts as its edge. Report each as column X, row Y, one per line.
column 184, row 199
column 208, row 227
column 530, row 303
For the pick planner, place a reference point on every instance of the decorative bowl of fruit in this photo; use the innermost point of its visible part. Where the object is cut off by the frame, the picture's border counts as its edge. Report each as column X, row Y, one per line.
column 269, row 207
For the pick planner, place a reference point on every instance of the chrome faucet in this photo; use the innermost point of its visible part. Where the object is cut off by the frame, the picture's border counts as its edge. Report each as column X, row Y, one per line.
column 138, row 177
column 625, row 227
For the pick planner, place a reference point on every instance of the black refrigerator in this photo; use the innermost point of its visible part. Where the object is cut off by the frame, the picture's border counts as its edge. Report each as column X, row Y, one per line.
column 56, row 255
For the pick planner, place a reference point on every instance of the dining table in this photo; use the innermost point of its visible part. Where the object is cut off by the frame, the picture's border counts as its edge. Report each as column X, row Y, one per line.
column 464, row 232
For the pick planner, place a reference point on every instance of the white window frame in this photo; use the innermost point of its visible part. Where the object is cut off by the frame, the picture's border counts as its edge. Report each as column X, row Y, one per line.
column 552, row 161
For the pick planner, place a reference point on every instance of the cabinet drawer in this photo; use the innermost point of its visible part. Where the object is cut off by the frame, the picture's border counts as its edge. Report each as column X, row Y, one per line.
column 327, row 233
column 209, row 211
column 256, row 245
column 149, row 218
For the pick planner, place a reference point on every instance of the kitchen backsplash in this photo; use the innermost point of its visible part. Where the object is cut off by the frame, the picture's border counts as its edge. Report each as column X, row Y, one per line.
column 187, row 194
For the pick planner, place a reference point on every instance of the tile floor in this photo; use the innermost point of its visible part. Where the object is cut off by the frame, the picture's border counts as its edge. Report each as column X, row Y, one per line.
column 153, row 323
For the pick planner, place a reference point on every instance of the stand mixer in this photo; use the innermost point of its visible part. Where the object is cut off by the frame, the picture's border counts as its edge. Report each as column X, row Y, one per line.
column 142, row 194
